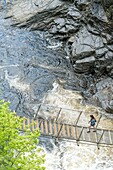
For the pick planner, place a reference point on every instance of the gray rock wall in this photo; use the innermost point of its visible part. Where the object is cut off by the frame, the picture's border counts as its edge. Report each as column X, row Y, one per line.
column 85, row 29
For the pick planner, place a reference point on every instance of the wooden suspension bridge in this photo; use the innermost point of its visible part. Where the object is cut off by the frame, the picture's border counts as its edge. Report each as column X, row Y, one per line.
column 59, row 130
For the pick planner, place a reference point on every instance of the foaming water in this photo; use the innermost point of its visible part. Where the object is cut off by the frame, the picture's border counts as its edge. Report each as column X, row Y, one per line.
column 68, row 156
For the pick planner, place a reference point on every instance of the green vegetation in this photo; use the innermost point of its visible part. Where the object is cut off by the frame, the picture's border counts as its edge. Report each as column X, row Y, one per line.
column 18, row 150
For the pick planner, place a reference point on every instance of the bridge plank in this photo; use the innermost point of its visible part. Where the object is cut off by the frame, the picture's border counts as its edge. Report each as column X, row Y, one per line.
column 50, row 128
column 63, row 133
column 42, row 127
column 111, row 137
column 73, row 132
column 59, row 129
column 46, row 127
column 37, row 124
column 28, row 121
column 68, row 131
column 77, row 132
column 55, row 131
column 24, row 124
column 33, row 126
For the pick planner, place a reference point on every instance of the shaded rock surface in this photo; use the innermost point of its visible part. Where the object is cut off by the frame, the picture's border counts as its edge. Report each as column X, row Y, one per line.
column 28, row 68
column 85, row 32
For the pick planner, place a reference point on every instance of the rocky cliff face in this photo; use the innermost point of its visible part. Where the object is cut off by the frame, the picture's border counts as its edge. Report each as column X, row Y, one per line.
column 85, row 29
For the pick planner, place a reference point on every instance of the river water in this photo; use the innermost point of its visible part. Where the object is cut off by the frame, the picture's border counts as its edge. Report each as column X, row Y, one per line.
column 69, row 156
column 29, row 68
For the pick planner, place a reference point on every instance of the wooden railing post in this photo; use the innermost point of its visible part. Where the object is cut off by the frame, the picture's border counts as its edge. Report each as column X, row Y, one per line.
column 76, row 127
column 35, row 116
column 78, row 118
column 98, row 121
column 77, row 140
column 56, row 139
column 100, row 139
column 58, row 114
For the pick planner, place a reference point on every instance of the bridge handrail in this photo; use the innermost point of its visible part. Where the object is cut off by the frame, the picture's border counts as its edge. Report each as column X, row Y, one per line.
column 42, row 104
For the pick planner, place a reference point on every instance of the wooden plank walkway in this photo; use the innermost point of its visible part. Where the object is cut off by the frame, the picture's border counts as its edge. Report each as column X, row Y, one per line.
column 57, row 130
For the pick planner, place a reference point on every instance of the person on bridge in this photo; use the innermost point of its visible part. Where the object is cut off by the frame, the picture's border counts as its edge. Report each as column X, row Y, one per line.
column 92, row 123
